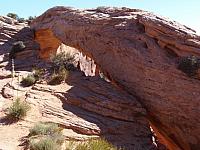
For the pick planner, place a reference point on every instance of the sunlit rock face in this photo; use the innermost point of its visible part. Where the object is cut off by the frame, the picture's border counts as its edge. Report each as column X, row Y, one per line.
column 139, row 52
column 85, row 107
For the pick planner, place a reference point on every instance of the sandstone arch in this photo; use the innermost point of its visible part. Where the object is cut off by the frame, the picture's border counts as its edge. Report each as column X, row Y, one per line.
column 139, row 51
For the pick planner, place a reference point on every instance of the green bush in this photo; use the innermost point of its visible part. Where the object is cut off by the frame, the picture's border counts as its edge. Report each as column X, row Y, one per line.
column 16, row 47
column 62, row 59
column 94, row 144
column 38, row 73
column 61, row 64
column 28, row 81
column 13, row 15
column 18, row 110
column 46, row 136
column 45, row 129
column 57, row 78
column 44, row 144
column 30, row 19
column 21, row 20
column 189, row 65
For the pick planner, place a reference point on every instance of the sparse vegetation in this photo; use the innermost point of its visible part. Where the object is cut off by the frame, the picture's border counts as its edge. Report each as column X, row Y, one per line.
column 45, row 129
column 61, row 63
column 58, row 77
column 28, row 81
column 94, row 144
column 62, row 59
column 30, row 19
column 17, row 47
column 46, row 136
column 18, row 110
column 13, row 15
column 44, row 144
column 38, row 73
column 189, row 65
column 21, row 20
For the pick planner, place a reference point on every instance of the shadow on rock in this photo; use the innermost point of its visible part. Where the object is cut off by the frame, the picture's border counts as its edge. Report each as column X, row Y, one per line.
column 25, row 59
column 24, row 142
column 119, row 117
column 7, row 120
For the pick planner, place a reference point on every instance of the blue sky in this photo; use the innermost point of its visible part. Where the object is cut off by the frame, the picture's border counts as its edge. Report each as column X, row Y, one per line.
column 184, row 11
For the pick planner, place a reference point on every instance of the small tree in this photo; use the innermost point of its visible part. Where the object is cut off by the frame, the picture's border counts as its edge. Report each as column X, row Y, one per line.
column 31, row 17
column 13, row 15
column 16, row 47
column 21, row 20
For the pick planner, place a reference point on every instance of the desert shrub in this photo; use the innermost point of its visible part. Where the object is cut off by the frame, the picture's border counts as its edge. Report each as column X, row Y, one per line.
column 94, row 144
column 38, row 73
column 21, row 20
column 57, row 78
column 189, row 65
column 18, row 109
column 62, row 63
column 28, row 81
column 13, row 15
column 46, row 136
column 101, row 9
column 45, row 129
column 44, row 144
column 16, row 47
column 62, row 59
column 30, row 19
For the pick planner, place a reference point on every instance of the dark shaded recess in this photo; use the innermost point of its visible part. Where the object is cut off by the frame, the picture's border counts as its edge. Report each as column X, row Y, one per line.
column 170, row 53
column 189, row 65
column 29, row 53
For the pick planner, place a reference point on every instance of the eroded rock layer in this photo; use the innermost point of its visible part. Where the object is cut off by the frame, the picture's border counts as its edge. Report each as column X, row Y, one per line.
column 86, row 107
column 138, row 51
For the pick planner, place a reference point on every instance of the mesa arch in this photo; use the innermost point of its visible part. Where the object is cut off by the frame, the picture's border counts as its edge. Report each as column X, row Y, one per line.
column 139, row 51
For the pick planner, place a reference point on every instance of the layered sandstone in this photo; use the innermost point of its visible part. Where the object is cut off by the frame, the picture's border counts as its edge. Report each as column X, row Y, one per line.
column 138, row 51
column 86, row 107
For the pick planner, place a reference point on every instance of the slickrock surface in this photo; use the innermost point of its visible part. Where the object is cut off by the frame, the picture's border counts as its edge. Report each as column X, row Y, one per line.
column 139, row 52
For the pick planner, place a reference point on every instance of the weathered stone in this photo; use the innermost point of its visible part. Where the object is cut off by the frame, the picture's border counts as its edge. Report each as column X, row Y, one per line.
column 86, row 107
column 138, row 51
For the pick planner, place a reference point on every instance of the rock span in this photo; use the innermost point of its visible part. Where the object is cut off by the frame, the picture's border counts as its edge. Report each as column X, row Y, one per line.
column 138, row 51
